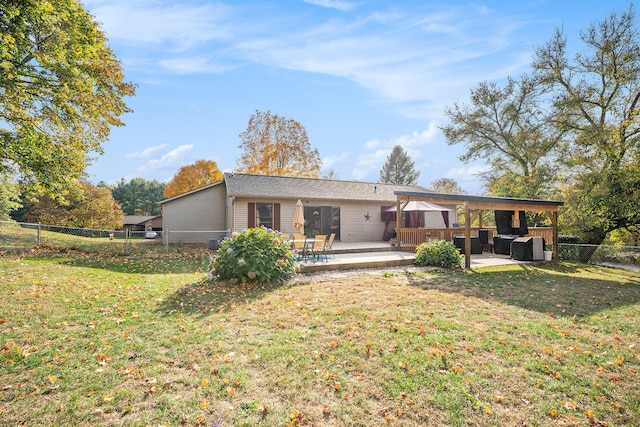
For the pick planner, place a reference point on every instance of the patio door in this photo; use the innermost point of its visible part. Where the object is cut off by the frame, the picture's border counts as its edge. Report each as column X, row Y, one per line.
column 322, row 220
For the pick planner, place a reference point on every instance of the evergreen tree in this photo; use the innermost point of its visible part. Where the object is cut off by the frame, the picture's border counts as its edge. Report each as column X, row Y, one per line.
column 399, row 168
column 139, row 196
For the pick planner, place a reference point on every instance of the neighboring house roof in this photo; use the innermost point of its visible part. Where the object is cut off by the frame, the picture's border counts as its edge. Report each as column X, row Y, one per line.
column 247, row 185
column 138, row 219
column 308, row 188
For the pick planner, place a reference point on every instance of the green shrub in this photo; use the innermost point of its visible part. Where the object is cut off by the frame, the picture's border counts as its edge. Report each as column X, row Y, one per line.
column 255, row 255
column 438, row 253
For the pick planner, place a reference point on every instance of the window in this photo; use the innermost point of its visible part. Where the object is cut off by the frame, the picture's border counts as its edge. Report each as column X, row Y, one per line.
column 264, row 215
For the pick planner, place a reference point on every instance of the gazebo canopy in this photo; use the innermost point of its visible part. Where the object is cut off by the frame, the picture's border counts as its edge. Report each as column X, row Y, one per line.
column 418, row 206
column 469, row 203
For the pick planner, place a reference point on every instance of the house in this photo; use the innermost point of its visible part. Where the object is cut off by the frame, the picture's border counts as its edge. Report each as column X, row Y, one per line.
column 142, row 223
column 354, row 211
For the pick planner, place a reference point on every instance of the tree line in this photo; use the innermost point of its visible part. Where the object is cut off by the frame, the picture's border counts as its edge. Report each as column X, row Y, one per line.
column 567, row 130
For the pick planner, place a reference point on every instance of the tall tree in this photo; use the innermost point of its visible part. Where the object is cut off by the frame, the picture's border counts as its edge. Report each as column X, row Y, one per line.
column 275, row 145
column 61, row 90
column 508, row 127
column 9, row 198
column 139, row 196
column 446, row 186
column 597, row 98
column 399, row 168
column 191, row 177
column 91, row 207
column 331, row 174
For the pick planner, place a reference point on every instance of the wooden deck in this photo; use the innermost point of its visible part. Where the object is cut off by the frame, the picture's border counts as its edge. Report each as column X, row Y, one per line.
column 409, row 238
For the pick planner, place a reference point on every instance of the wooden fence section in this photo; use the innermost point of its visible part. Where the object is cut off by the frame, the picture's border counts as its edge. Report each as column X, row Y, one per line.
column 409, row 238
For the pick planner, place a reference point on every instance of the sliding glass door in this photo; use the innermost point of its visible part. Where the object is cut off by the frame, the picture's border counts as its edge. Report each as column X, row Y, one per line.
column 322, row 220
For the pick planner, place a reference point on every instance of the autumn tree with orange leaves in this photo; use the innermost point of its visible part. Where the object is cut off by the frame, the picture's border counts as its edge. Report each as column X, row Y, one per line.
column 91, row 207
column 190, row 177
column 275, row 145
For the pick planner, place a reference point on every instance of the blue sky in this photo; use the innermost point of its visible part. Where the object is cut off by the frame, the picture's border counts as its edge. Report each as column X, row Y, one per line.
column 361, row 76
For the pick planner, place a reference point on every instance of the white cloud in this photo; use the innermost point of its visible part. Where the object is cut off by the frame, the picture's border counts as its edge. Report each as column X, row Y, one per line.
column 332, row 4
column 147, row 152
column 170, row 160
column 192, row 65
column 156, row 22
column 412, row 143
column 419, row 61
column 468, row 178
column 467, row 173
column 368, row 166
column 332, row 161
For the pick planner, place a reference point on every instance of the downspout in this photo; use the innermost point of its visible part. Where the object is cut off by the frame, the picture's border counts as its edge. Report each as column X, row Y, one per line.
column 231, row 213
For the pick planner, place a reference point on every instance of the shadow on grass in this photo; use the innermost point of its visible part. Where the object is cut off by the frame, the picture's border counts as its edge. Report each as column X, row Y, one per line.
column 184, row 263
column 564, row 289
column 204, row 298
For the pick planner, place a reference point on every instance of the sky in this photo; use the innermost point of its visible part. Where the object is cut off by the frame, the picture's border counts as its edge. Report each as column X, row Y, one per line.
column 360, row 76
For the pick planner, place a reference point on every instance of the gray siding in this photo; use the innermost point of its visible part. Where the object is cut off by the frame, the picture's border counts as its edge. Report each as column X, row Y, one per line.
column 196, row 218
column 353, row 225
column 205, row 213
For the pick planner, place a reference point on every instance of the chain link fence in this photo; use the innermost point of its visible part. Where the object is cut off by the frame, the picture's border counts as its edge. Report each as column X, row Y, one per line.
column 600, row 254
column 20, row 238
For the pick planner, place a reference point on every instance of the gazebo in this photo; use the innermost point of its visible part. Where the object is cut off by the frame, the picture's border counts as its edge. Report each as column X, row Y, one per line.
column 481, row 203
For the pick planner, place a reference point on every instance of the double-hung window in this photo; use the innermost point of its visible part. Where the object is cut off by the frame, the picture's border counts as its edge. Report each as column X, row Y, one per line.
column 263, row 215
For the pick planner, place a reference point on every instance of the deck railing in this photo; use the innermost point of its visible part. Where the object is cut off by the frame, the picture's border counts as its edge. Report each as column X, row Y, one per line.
column 409, row 238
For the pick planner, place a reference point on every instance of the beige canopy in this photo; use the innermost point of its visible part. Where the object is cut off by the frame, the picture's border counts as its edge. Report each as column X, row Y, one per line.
column 298, row 219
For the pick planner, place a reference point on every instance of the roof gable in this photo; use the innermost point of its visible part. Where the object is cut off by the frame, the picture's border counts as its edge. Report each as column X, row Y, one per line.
column 197, row 190
column 138, row 219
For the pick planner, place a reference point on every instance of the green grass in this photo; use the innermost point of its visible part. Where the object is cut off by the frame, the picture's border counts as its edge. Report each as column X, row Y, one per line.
column 111, row 340
column 17, row 240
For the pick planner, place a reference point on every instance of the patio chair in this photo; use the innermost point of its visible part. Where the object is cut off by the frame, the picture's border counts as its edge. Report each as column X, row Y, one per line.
column 299, row 246
column 329, row 246
column 319, row 247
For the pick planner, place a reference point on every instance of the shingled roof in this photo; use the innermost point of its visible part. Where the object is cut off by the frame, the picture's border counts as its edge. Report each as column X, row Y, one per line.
column 247, row 185
column 138, row 219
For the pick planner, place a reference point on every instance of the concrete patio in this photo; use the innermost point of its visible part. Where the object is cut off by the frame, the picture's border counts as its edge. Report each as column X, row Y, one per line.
column 348, row 256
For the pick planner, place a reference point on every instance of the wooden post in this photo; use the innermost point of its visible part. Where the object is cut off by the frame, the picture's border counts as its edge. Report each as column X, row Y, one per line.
column 515, row 219
column 467, row 236
column 398, row 215
column 554, row 222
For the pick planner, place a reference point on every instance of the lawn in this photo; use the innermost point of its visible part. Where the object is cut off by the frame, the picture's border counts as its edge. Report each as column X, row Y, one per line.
column 97, row 340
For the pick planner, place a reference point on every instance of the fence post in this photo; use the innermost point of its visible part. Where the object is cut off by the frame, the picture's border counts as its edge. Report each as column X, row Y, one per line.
column 39, row 238
column 126, row 242
column 165, row 236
